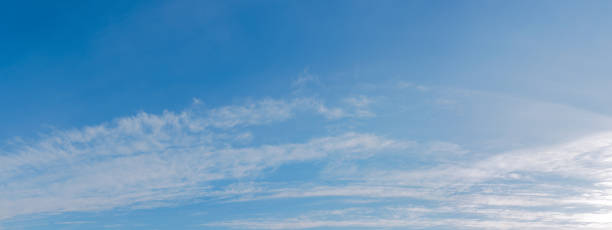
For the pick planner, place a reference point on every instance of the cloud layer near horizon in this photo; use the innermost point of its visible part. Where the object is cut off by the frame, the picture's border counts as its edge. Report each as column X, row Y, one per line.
column 567, row 186
column 147, row 161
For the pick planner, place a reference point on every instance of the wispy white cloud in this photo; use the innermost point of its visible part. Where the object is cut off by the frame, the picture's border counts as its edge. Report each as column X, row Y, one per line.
column 566, row 186
column 150, row 160
column 413, row 217
column 424, row 217
column 361, row 105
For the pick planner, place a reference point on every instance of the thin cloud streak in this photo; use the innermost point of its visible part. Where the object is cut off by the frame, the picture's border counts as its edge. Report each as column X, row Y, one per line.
column 566, row 186
column 147, row 160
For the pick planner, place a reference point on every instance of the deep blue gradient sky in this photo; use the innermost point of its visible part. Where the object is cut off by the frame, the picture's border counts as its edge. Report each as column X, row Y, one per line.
column 305, row 114
column 70, row 64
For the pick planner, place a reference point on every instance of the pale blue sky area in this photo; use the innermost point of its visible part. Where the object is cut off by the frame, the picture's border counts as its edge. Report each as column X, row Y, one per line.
column 305, row 115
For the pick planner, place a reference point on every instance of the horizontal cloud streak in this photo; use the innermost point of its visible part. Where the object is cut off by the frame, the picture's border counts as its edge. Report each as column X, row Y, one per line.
column 152, row 160
column 148, row 160
column 566, row 186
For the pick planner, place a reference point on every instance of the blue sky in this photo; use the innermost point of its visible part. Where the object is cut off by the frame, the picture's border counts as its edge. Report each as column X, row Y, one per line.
column 305, row 115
